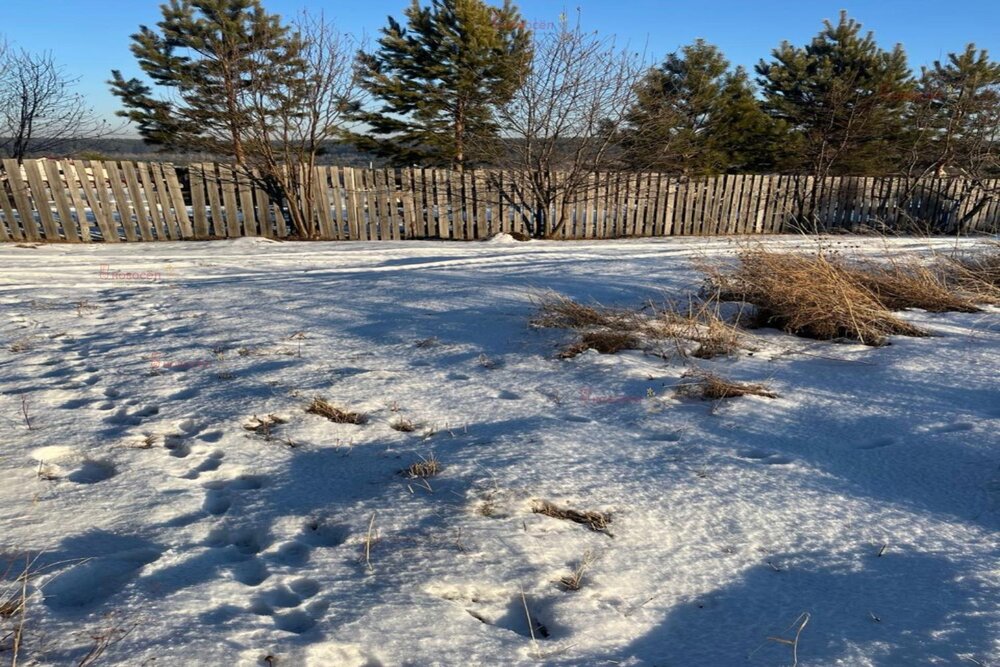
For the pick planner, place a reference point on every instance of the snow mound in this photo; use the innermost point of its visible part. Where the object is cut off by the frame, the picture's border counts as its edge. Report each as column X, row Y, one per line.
column 254, row 241
column 503, row 238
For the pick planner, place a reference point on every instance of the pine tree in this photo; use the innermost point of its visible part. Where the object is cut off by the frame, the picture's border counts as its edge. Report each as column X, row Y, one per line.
column 439, row 79
column 692, row 115
column 956, row 115
column 748, row 138
column 842, row 98
column 223, row 58
column 247, row 87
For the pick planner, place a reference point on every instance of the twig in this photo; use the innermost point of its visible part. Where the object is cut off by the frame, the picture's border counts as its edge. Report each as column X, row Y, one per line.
column 801, row 622
column 531, row 625
column 368, row 544
column 24, row 411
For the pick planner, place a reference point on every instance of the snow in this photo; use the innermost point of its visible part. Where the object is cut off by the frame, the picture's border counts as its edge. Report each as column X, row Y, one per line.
column 154, row 510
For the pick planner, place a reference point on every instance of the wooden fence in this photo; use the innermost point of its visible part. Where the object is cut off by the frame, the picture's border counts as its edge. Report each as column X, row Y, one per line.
column 85, row 201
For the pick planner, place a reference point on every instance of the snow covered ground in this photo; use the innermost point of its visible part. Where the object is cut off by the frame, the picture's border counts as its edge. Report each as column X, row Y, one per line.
column 867, row 495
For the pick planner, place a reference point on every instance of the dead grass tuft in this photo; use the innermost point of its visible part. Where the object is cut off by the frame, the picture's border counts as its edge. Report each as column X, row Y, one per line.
column 696, row 327
column 23, row 344
column 909, row 283
column 559, row 312
column 709, row 386
column 975, row 273
column 605, row 341
column 403, row 425
column 424, row 468
column 324, row 409
column 700, row 322
column 809, row 295
column 264, row 426
column 574, row 580
column 596, row 521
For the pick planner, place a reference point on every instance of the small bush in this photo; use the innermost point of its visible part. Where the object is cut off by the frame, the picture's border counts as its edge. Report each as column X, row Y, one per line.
column 324, row 409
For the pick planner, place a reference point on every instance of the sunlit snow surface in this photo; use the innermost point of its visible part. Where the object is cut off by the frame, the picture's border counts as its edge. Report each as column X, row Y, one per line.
column 214, row 545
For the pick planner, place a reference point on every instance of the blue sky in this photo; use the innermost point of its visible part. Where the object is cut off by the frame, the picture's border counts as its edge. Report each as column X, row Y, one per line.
column 91, row 37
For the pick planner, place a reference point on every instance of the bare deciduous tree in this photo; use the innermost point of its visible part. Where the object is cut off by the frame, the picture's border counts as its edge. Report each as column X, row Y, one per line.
column 559, row 127
column 39, row 111
column 292, row 120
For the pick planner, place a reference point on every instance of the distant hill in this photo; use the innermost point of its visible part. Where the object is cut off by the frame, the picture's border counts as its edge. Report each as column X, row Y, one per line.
column 136, row 149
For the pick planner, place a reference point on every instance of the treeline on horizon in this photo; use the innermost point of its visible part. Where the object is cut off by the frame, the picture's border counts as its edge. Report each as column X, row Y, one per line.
column 463, row 83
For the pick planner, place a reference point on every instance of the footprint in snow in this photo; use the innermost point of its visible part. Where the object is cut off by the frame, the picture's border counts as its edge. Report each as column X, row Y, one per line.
column 124, row 416
column 96, row 579
column 212, row 462
column 877, row 443
column 92, row 471
column 669, row 436
column 287, row 607
column 219, row 493
column 184, row 394
column 60, row 461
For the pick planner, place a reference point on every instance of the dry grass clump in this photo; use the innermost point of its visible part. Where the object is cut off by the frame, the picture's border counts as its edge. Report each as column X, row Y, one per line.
column 596, row 521
column 422, row 469
column 809, row 295
column 910, row 284
column 574, row 580
column 23, row 344
column 696, row 328
column 711, row 387
column 702, row 323
column 263, row 426
column 403, row 425
column 324, row 409
column 13, row 607
column 975, row 273
column 560, row 312
column 605, row 341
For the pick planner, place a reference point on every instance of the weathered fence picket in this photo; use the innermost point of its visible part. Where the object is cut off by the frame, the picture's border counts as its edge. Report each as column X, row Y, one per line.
column 111, row 201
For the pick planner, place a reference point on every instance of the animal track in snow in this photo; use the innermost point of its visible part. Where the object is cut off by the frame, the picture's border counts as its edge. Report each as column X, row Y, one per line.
column 241, row 540
column 174, row 443
column 212, row 462
column 124, row 417
column 92, row 471
column 96, row 579
column 60, row 461
column 219, row 496
column 273, row 601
